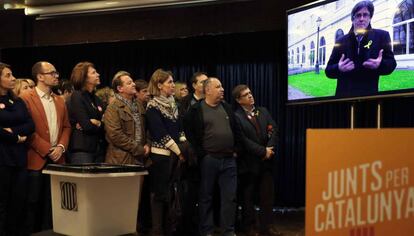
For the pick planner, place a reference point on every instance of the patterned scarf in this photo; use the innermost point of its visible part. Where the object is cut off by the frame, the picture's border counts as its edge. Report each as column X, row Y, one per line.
column 166, row 105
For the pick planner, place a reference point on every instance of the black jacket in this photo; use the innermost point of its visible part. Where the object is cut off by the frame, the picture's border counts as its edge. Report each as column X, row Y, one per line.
column 361, row 81
column 254, row 144
column 194, row 128
column 14, row 115
column 83, row 107
column 185, row 104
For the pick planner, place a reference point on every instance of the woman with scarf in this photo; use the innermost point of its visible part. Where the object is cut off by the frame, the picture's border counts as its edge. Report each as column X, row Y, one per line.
column 167, row 134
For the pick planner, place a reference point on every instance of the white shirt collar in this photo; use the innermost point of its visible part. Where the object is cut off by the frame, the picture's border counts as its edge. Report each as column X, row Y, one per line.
column 43, row 94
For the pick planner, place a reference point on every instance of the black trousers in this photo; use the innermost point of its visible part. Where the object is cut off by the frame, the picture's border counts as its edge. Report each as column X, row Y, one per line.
column 13, row 184
column 39, row 203
column 144, row 213
column 190, row 226
column 159, row 186
column 256, row 187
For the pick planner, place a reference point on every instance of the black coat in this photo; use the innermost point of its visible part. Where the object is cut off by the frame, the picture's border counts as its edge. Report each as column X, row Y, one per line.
column 194, row 128
column 361, row 81
column 14, row 115
column 83, row 107
column 185, row 104
column 254, row 144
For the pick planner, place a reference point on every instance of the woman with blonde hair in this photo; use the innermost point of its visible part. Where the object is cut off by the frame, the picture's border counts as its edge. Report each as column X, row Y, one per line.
column 181, row 91
column 106, row 94
column 21, row 86
column 167, row 135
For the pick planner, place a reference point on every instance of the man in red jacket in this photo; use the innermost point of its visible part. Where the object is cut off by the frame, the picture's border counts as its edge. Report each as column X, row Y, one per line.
column 48, row 143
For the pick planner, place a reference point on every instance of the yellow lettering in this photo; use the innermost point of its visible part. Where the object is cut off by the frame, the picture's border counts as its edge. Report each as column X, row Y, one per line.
column 409, row 209
column 398, row 201
column 350, row 214
column 318, row 227
column 330, row 217
column 326, row 195
column 385, row 206
column 377, row 185
column 364, row 168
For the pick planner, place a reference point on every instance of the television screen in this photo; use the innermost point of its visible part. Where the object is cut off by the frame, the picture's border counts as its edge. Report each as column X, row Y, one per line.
column 350, row 49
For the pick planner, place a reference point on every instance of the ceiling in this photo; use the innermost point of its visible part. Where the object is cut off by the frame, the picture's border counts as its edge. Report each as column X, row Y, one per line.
column 33, row 3
column 53, row 8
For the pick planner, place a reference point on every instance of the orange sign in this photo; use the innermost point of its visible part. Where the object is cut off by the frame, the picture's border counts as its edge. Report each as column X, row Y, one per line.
column 360, row 182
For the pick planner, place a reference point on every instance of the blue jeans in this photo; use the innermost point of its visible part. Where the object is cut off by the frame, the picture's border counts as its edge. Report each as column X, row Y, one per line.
column 224, row 171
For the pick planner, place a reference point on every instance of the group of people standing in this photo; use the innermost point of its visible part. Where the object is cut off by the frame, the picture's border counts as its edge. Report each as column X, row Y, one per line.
column 217, row 146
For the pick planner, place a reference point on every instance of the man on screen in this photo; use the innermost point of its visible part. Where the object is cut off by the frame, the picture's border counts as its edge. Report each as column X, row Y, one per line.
column 361, row 56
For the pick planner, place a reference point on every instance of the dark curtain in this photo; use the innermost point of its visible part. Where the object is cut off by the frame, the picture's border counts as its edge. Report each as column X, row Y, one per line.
column 256, row 59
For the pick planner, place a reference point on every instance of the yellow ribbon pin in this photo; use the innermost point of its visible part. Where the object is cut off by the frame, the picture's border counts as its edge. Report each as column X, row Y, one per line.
column 368, row 44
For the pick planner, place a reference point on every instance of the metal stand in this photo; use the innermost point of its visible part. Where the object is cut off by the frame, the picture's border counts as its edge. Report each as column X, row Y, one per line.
column 379, row 117
column 352, row 115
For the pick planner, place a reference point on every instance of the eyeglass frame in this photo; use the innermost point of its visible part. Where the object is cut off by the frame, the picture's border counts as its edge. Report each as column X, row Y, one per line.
column 52, row 73
column 245, row 95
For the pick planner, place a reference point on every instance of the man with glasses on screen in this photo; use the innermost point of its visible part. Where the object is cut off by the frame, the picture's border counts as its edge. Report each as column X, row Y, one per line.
column 361, row 56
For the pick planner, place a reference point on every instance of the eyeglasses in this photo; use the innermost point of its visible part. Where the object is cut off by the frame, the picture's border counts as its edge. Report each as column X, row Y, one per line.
column 364, row 15
column 246, row 94
column 52, row 73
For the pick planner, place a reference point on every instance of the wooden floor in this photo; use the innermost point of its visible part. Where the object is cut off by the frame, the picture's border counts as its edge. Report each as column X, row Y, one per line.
column 289, row 222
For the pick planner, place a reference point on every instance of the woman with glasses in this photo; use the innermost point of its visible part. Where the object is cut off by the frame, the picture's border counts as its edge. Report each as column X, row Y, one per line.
column 15, row 126
column 85, row 114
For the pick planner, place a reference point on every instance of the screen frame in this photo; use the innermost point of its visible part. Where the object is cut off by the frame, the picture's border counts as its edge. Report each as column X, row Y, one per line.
column 328, row 99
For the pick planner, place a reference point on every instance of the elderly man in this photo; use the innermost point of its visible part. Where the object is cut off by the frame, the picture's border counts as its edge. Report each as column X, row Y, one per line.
column 361, row 56
column 125, row 124
column 213, row 132
column 47, row 144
